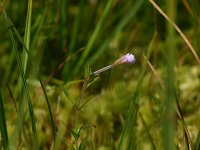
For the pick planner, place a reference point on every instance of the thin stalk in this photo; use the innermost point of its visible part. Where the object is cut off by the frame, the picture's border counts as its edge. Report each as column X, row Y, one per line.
column 101, row 70
column 78, row 105
column 169, row 115
column 27, row 34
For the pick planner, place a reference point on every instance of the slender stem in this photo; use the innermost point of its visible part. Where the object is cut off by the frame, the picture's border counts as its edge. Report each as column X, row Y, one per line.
column 102, row 69
column 78, row 110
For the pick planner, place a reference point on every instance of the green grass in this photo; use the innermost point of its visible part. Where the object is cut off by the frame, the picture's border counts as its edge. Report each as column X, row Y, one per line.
column 49, row 99
column 94, row 36
column 169, row 120
column 3, row 126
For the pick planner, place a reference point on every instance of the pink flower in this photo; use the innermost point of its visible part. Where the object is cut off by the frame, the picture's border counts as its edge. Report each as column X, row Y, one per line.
column 128, row 58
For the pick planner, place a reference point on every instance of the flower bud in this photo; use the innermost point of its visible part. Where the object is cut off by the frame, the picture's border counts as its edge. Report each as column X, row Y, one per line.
column 128, row 58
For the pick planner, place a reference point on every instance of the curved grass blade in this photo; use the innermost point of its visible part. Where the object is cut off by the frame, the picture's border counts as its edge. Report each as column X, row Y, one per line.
column 127, row 139
column 12, row 98
column 186, row 132
column 129, row 126
column 36, row 73
column 26, row 89
column 3, row 127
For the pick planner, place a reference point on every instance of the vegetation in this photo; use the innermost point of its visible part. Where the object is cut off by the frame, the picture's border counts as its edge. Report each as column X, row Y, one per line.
column 51, row 99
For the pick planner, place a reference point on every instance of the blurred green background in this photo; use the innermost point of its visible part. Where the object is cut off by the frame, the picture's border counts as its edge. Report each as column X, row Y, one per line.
column 50, row 101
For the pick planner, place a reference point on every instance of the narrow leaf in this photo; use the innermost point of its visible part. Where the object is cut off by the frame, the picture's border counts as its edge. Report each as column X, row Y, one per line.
column 3, row 126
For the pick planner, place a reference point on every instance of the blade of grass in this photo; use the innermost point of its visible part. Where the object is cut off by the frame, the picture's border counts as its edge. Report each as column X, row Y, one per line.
column 167, row 135
column 27, row 35
column 7, row 76
column 36, row 73
column 147, row 131
column 21, row 85
column 12, row 98
column 26, row 90
column 71, row 100
column 128, row 129
column 128, row 136
column 154, row 72
column 93, row 36
column 197, row 143
column 169, row 114
column 177, row 29
column 33, row 124
column 187, row 135
column 3, row 126
column 85, row 102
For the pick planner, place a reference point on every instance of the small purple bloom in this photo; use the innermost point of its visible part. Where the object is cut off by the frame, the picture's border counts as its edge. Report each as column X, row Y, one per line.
column 128, row 58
